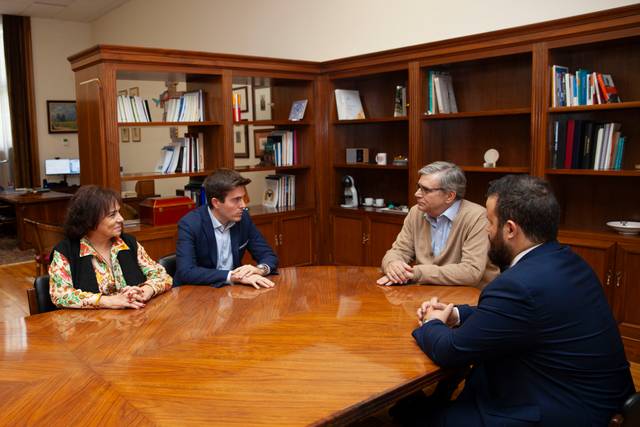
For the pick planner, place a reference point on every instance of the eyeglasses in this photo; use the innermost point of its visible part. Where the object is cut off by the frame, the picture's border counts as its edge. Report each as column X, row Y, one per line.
column 427, row 190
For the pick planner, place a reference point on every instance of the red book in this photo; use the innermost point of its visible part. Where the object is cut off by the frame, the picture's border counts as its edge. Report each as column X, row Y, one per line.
column 569, row 148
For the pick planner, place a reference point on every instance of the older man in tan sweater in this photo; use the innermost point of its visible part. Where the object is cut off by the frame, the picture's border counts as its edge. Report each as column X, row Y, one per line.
column 444, row 236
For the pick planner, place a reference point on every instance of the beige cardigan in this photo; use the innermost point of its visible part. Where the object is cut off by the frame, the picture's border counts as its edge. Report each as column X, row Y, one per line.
column 463, row 261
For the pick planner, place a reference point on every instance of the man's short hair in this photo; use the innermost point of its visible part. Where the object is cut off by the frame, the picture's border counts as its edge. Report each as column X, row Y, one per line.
column 221, row 182
column 529, row 202
column 450, row 175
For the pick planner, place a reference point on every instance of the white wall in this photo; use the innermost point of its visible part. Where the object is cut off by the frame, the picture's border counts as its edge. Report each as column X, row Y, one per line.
column 320, row 30
column 53, row 41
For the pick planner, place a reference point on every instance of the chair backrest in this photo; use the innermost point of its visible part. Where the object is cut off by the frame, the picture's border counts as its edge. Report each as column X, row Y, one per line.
column 39, row 297
column 630, row 415
column 169, row 263
column 45, row 237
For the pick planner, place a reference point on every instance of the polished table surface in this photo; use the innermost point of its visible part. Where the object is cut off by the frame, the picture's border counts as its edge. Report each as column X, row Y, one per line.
column 326, row 345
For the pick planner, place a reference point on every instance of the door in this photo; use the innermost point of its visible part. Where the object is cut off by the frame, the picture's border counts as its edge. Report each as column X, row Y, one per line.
column 600, row 255
column 627, row 297
column 348, row 240
column 267, row 227
column 382, row 233
column 295, row 240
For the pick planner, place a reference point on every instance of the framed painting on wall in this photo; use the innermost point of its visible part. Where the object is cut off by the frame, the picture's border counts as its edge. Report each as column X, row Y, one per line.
column 62, row 117
column 241, row 142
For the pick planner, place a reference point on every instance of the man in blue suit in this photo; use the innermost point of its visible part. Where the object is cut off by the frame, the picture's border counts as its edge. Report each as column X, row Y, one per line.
column 545, row 347
column 213, row 238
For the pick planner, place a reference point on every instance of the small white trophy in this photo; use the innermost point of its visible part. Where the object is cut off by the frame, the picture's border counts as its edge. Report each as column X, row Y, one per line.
column 491, row 156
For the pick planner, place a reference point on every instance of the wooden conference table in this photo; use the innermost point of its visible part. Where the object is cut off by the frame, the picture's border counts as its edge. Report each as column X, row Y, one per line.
column 326, row 345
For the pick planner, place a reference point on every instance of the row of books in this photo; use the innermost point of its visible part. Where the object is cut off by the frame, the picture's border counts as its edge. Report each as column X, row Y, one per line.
column 284, row 146
column 189, row 107
column 133, row 109
column 182, row 155
column 440, row 96
column 195, row 190
column 582, row 88
column 583, row 144
column 280, row 191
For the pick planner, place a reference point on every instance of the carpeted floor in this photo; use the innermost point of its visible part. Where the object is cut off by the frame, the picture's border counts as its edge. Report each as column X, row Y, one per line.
column 9, row 252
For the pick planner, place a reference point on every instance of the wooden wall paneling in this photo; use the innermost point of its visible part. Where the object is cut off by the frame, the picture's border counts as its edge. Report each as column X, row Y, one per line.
column 225, row 150
column 348, row 239
column 296, row 240
column 627, row 295
column 323, row 167
column 540, row 87
column 415, row 111
column 383, row 230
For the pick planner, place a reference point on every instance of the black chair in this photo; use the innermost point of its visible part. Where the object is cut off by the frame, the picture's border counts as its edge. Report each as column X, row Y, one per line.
column 39, row 297
column 630, row 415
column 169, row 263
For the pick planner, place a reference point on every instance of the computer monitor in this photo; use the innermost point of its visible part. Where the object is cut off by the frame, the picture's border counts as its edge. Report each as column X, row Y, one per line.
column 62, row 167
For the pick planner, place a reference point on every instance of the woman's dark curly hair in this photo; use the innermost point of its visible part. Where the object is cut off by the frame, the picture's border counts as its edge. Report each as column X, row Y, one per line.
column 87, row 208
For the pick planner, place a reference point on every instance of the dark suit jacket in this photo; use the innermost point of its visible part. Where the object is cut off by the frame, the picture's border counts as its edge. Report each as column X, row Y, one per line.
column 544, row 343
column 197, row 253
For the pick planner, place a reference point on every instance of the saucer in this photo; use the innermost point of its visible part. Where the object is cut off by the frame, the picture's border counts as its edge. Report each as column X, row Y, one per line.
column 627, row 228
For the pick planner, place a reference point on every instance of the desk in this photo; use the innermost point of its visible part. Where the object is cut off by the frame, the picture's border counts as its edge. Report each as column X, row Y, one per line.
column 326, row 345
column 49, row 207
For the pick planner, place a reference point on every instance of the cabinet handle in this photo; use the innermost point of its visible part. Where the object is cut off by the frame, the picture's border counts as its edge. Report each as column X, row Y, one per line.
column 608, row 281
column 365, row 238
column 280, row 239
column 276, row 239
column 618, row 278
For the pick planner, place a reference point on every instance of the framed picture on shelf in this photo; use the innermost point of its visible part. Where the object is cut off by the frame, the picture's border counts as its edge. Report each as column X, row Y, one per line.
column 122, row 92
column 262, row 103
column 124, row 135
column 62, row 117
column 136, row 134
column 134, row 91
column 260, row 139
column 243, row 91
column 241, row 142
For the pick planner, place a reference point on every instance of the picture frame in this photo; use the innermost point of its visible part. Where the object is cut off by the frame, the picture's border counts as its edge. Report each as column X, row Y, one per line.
column 122, row 92
column 262, row 103
column 124, row 135
column 134, row 91
column 62, row 117
column 136, row 134
column 260, row 139
column 243, row 91
column 241, row 142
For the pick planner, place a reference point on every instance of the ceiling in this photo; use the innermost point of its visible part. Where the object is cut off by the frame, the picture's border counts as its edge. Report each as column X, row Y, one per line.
column 66, row 10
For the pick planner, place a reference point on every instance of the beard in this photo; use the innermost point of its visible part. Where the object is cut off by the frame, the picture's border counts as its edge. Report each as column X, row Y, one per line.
column 499, row 253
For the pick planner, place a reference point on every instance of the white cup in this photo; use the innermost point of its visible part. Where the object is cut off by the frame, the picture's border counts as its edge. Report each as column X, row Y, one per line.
column 368, row 201
column 379, row 203
column 381, row 159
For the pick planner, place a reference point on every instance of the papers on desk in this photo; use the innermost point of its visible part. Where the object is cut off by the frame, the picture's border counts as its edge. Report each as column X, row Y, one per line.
column 131, row 222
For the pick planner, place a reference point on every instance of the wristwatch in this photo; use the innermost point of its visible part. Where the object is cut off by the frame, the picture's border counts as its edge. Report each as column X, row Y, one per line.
column 264, row 269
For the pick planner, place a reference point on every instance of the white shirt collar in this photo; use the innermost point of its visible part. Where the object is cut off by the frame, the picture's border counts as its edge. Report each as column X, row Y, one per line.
column 217, row 225
column 523, row 253
column 450, row 213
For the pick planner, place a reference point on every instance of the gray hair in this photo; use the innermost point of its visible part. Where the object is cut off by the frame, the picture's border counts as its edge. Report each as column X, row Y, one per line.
column 450, row 175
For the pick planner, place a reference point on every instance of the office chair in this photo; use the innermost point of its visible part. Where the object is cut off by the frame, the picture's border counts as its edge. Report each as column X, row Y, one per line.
column 169, row 263
column 45, row 238
column 630, row 415
column 39, row 297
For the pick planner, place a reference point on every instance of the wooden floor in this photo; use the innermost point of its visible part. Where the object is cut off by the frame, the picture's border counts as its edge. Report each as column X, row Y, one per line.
column 16, row 278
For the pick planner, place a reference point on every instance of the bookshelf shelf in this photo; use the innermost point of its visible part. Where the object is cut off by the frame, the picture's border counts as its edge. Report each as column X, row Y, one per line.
column 167, row 124
column 497, row 170
column 368, row 166
column 270, row 168
column 487, row 113
column 372, row 120
column 598, row 107
column 138, row 176
column 273, row 123
column 590, row 172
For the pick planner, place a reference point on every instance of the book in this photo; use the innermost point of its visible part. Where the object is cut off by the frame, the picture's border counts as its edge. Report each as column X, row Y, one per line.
column 558, row 73
column 297, row 110
column 349, row 105
column 270, row 195
column 608, row 89
column 400, row 102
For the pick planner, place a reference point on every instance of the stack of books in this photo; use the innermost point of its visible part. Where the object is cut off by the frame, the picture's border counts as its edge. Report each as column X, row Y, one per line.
column 182, row 155
column 133, row 109
column 187, row 108
column 583, row 144
column 280, row 191
column 284, row 146
column 440, row 96
column 582, row 88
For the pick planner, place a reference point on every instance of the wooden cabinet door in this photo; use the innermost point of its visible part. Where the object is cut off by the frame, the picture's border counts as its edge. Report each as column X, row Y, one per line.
column 600, row 255
column 295, row 238
column 267, row 227
column 348, row 234
column 627, row 297
column 382, row 233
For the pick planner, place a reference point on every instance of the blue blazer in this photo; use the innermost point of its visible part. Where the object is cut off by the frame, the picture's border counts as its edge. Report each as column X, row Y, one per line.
column 197, row 252
column 544, row 343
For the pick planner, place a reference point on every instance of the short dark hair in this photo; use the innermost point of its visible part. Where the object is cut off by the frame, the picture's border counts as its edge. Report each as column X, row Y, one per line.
column 88, row 206
column 529, row 202
column 221, row 182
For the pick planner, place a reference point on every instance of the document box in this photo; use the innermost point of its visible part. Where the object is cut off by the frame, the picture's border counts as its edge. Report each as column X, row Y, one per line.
column 164, row 210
